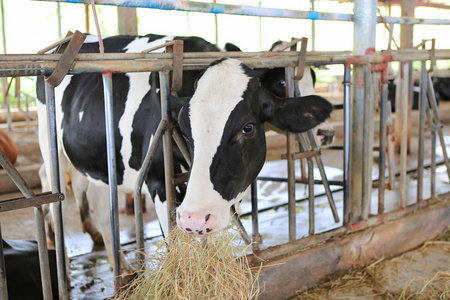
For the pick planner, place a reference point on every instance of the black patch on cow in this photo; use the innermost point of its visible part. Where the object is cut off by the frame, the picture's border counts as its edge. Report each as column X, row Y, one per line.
column 85, row 140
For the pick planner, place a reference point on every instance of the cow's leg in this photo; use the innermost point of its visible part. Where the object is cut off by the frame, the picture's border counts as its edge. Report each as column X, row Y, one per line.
column 98, row 198
column 80, row 185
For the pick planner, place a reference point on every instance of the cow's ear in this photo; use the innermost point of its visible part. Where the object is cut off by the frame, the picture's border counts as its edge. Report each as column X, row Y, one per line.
column 297, row 114
column 176, row 103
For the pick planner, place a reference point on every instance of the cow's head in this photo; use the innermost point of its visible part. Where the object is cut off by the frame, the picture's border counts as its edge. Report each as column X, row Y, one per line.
column 223, row 124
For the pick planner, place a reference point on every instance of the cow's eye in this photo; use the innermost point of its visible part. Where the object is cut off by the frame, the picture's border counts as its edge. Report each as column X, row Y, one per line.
column 248, row 128
column 282, row 83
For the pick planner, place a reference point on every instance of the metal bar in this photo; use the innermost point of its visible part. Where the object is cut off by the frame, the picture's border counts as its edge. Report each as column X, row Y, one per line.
column 346, row 153
column 289, row 75
column 404, row 131
column 281, row 179
column 256, row 236
column 217, row 8
column 112, row 176
column 311, row 196
column 239, row 225
column 325, row 182
column 421, row 135
column 12, row 204
column 368, row 131
column 383, row 142
column 139, row 64
column 3, row 283
column 179, row 140
column 437, row 121
column 138, row 210
column 168, row 151
column 55, row 177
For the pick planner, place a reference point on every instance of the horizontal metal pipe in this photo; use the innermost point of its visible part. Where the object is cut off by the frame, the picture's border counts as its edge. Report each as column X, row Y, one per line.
column 216, row 8
column 46, row 67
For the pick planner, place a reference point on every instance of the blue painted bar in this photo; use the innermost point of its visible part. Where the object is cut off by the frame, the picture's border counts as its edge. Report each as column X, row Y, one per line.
column 216, row 8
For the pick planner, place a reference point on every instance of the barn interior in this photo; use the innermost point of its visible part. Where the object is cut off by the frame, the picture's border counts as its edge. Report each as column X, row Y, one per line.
column 90, row 272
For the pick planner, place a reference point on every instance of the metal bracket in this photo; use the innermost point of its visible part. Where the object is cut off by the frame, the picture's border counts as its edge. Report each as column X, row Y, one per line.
column 69, row 50
column 301, row 59
column 177, row 68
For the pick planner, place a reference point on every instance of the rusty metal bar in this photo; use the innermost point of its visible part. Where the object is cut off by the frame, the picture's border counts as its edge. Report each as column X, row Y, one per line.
column 37, row 200
column 55, row 177
column 347, row 139
column 325, row 182
column 127, row 62
column 299, row 155
column 256, row 236
column 403, row 101
column 138, row 209
column 168, row 151
column 289, row 75
column 421, row 134
column 112, row 176
column 304, row 147
column 368, row 133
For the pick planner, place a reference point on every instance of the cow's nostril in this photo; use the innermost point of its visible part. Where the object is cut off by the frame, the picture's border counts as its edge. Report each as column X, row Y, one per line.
column 207, row 217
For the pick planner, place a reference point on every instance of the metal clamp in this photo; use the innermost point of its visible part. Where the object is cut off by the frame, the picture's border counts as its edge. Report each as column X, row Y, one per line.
column 177, row 68
column 69, row 50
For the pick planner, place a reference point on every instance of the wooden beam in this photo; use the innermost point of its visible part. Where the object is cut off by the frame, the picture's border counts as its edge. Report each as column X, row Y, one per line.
column 282, row 278
column 127, row 20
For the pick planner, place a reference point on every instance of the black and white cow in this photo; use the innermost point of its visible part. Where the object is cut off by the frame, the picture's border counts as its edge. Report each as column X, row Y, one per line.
column 223, row 124
column 274, row 80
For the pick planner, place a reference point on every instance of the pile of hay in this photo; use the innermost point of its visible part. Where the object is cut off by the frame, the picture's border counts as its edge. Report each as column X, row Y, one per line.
column 192, row 269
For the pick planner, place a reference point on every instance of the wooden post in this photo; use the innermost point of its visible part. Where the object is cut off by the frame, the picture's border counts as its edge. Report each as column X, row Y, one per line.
column 127, row 20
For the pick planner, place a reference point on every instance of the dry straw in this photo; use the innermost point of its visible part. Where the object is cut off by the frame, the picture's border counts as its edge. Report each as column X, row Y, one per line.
column 212, row 268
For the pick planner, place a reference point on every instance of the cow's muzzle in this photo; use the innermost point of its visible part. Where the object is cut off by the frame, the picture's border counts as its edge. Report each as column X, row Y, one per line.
column 326, row 136
column 197, row 223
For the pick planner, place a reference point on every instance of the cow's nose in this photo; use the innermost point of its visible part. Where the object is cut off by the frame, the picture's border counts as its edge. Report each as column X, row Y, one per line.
column 196, row 223
column 326, row 136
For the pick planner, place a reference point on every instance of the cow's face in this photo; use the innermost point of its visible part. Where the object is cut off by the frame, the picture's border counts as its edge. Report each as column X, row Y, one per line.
column 223, row 124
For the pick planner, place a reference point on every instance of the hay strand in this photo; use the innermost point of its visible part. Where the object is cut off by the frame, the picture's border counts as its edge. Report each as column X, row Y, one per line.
column 190, row 268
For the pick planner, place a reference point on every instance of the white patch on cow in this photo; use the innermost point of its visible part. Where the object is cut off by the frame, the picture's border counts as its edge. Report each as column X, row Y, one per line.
column 161, row 211
column 80, row 116
column 140, row 44
column 306, row 83
column 139, row 87
column 92, row 39
column 219, row 91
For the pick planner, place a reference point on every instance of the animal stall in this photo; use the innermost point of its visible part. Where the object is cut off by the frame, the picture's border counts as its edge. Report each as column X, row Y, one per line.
column 339, row 244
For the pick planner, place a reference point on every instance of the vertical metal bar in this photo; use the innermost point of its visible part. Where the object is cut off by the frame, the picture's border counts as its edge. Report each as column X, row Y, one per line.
column 138, row 210
column 304, row 146
column 56, row 208
column 422, row 108
column 433, row 163
column 289, row 75
column 112, row 176
column 311, row 195
column 347, row 102
column 256, row 237
column 437, row 121
column 404, row 83
column 383, row 143
column 321, row 168
column 368, row 132
column 3, row 283
column 168, row 151
column 42, row 244
column 364, row 28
